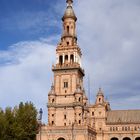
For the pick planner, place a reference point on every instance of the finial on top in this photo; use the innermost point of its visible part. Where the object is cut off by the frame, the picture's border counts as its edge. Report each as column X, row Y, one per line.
column 100, row 92
column 69, row 2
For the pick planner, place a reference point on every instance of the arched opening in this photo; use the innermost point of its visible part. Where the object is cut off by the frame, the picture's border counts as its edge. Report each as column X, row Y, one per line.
column 66, row 58
column 61, row 139
column 72, row 58
column 60, row 59
column 126, row 138
column 138, row 138
column 114, row 138
column 52, row 100
column 68, row 28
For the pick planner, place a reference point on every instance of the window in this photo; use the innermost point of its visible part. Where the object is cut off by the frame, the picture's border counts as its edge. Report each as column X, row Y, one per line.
column 66, row 58
column 52, row 100
column 92, row 113
column 65, row 84
column 60, row 59
column 67, row 29
column 52, row 122
column 52, row 115
column 64, row 124
column 72, row 58
column 67, row 43
column 79, row 121
column 65, row 117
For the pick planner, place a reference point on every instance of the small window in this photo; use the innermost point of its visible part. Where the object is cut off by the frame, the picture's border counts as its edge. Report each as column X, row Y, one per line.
column 52, row 100
column 92, row 113
column 79, row 121
column 52, row 115
column 67, row 43
column 64, row 124
column 99, row 99
column 68, row 29
column 65, row 84
column 52, row 122
column 65, row 117
column 79, row 99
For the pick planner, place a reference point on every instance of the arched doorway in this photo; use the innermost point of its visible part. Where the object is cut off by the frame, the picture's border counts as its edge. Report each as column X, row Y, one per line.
column 138, row 138
column 114, row 138
column 61, row 139
column 126, row 138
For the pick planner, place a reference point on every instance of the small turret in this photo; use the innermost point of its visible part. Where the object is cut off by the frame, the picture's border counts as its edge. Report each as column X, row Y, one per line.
column 100, row 97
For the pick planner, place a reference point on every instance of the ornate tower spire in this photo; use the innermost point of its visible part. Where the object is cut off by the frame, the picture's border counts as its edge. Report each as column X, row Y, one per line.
column 68, row 76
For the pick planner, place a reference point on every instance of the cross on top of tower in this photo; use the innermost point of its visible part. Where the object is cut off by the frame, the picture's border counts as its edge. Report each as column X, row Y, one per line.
column 69, row 2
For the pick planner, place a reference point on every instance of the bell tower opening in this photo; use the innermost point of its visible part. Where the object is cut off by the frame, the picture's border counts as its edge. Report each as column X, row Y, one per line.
column 60, row 59
column 66, row 58
column 71, row 58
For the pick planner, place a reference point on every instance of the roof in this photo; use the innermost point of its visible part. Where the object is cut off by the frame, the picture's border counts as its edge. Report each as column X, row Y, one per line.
column 69, row 13
column 123, row 116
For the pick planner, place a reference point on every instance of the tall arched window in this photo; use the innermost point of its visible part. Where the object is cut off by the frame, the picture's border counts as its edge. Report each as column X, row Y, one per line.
column 72, row 58
column 68, row 28
column 66, row 58
column 60, row 59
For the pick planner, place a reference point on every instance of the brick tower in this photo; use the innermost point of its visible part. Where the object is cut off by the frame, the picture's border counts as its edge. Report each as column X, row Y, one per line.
column 67, row 101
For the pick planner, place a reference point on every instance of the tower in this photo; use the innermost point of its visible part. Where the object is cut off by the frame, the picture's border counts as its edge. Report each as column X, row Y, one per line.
column 66, row 99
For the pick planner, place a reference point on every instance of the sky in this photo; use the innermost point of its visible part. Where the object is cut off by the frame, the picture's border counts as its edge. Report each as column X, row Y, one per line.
column 108, row 34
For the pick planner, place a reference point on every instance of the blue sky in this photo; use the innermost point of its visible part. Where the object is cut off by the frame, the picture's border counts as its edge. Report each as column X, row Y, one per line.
column 108, row 34
column 27, row 20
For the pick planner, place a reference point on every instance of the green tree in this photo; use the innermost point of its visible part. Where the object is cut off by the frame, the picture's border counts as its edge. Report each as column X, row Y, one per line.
column 2, row 121
column 26, row 122
column 19, row 123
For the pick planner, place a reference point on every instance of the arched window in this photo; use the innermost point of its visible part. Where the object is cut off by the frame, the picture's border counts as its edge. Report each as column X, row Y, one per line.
column 138, row 138
column 60, row 59
column 114, row 138
column 66, row 58
column 68, row 43
column 61, row 139
column 68, row 28
column 52, row 100
column 126, row 138
column 72, row 58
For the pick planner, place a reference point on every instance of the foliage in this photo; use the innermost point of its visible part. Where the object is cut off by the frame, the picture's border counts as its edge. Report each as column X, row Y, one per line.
column 19, row 123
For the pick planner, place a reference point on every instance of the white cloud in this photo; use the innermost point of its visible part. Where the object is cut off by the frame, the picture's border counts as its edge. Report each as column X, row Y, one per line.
column 28, row 76
column 108, row 34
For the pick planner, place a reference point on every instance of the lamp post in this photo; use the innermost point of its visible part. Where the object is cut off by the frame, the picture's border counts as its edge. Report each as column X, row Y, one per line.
column 40, row 123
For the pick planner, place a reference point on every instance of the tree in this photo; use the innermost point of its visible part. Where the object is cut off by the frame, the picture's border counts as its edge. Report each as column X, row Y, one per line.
column 19, row 123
